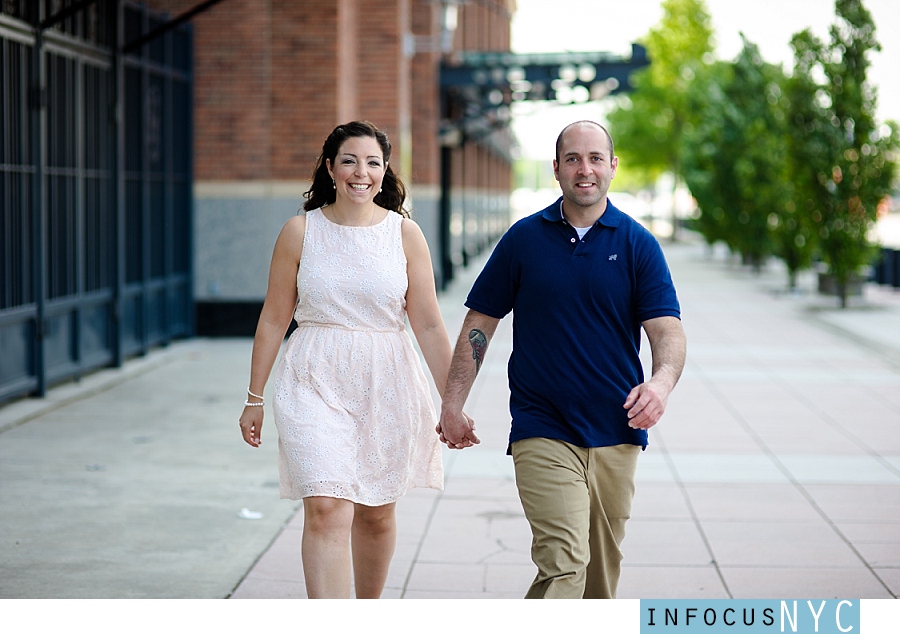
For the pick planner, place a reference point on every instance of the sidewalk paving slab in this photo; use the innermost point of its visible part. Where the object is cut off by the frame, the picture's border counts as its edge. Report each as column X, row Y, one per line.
column 775, row 472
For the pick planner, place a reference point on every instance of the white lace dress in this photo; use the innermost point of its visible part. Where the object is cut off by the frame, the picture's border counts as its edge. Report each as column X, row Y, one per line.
column 352, row 405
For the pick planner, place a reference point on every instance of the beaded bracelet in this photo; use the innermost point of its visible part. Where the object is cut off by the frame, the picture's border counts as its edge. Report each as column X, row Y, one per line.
column 249, row 404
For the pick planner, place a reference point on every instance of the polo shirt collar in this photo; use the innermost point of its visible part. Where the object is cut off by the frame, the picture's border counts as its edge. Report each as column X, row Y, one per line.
column 610, row 218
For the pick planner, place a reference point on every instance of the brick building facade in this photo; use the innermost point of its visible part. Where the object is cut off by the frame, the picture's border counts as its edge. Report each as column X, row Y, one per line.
column 273, row 77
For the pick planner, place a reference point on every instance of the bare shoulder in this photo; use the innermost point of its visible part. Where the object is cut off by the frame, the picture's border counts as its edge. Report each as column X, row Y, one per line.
column 411, row 232
column 290, row 240
column 414, row 244
column 295, row 225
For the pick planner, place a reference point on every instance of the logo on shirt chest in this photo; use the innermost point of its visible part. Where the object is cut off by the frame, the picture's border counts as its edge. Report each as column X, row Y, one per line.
column 614, row 256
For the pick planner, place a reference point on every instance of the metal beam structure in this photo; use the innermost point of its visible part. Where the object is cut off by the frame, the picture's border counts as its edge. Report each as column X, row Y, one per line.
column 64, row 13
column 477, row 88
column 168, row 26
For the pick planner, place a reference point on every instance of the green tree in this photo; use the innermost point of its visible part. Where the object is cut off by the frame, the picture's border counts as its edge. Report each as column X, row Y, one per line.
column 735, row 159
column 846, row 165
column 807, row 151
column 758, row 155
column 706, row 166
column 648, row 123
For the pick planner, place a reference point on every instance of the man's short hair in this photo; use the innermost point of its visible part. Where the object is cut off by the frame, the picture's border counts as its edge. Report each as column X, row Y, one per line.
column 612, row 152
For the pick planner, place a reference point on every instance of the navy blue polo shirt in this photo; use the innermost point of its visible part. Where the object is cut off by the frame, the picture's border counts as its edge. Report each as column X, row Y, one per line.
column 577, row 310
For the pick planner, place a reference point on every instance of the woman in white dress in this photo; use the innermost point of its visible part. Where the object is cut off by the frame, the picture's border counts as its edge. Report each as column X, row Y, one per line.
column 356, row 424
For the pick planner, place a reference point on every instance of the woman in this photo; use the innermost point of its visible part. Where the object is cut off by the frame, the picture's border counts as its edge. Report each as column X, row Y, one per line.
column 352, row 406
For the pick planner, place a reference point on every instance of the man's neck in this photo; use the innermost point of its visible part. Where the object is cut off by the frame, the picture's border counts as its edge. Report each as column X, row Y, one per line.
column 582, row 217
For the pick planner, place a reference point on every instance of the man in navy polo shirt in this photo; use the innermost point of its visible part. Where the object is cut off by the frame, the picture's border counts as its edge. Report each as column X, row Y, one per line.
column 581, row 279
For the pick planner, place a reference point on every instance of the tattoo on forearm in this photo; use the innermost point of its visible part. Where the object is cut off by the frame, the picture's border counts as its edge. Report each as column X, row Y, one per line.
column 479, row 344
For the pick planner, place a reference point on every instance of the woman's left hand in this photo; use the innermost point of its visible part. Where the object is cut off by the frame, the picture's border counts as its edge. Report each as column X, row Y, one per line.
column 251, row 425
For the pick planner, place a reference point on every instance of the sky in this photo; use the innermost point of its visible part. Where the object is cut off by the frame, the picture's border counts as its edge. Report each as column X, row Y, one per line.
column 612, row 25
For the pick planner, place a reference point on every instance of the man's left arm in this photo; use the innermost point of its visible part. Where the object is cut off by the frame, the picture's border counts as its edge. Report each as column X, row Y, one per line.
column 646, row 403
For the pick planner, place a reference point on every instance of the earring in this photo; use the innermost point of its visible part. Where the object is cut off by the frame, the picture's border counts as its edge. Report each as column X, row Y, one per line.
column 380, row 190
column 333, row 184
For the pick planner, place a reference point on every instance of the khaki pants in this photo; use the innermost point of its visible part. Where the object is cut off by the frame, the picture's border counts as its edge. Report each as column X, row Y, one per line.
column 577, row 501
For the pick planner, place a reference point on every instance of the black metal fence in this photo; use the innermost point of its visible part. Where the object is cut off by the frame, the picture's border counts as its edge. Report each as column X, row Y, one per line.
column 95, row 188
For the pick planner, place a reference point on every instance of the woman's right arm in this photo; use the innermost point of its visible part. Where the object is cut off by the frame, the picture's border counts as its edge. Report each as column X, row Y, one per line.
column 277, row 311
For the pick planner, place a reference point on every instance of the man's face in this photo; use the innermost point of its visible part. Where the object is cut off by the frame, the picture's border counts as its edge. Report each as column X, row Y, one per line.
column 585, row 168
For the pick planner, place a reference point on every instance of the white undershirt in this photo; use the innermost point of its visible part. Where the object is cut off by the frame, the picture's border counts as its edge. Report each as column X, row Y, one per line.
column 579, row 230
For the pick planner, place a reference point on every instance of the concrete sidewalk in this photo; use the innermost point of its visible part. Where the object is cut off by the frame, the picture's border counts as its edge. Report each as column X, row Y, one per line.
column 776, row 471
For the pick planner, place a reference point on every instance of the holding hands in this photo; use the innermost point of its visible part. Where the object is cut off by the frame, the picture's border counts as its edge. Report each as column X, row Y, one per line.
column 456, row 430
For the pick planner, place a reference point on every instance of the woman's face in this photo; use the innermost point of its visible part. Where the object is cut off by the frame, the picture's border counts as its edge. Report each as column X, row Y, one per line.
column 358, row 170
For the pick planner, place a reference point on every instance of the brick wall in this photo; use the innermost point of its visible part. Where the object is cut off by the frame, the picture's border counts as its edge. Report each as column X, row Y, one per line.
column 265, row 85
column 304, row 84
column 425, row 98
column 272, row 78
column 348, row 60
column 384, row 74
column 483, row 26
column 232, row 138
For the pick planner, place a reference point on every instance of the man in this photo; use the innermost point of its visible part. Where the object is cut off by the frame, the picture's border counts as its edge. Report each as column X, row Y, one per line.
column 581, row 279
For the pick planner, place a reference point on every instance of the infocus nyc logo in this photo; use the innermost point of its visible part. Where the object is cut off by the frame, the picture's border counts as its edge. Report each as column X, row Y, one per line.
column 797, row 616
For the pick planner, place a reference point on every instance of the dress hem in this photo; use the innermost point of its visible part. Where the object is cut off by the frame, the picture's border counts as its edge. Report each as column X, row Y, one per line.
column 355, row 501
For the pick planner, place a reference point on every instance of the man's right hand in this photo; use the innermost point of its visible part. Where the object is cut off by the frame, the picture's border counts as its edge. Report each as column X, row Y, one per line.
column 456, row 430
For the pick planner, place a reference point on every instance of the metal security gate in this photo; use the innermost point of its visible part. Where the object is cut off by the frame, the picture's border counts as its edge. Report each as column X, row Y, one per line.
column 156, row 185
column 95, row 188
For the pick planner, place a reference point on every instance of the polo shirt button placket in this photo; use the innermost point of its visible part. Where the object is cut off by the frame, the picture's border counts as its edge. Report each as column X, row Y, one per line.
column 572, row 240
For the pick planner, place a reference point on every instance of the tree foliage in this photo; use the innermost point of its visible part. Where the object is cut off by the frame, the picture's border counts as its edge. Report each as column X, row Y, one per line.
column 709, row 177
column 649, row 122
column 735, row 158
column 794, row 166
column 843, row 164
